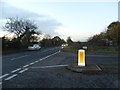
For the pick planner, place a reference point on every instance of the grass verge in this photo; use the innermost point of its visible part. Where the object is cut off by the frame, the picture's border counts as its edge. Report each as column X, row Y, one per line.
column 95, row 50
column 69, row 49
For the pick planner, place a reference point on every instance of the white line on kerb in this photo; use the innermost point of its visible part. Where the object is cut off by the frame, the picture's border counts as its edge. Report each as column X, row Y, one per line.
column 51, row 66
column 23, row 70
column 26, row 66
column 98, row 67
column 16, row 70
column 19, row 57
column 14, row 75
column 4, row 76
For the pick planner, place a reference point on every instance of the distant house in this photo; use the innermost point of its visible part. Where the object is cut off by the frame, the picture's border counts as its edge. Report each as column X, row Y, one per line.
column 108, row 42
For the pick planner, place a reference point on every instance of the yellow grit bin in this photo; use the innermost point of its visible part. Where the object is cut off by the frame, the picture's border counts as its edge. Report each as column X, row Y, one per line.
column 81, row 57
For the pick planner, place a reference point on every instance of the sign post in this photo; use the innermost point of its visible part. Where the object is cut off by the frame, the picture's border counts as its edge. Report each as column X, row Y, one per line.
column 81, row 57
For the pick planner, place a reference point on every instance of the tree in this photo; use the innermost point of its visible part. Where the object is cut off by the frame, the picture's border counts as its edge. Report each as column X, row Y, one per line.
column 23, row 29
column 46, row 43
column 112, row 34
column 19, row 26
column 56, row 41
column 69, row 41
column 49, row 42
column 113, row 31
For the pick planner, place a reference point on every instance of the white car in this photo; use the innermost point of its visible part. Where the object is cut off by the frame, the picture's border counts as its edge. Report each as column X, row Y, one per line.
column 34, row 47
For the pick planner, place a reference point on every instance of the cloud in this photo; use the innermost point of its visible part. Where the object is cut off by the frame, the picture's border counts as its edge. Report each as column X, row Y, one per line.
column 75, row 35
column 20, row 1
column 11, row 11
column 46, row 24
column 119, row 11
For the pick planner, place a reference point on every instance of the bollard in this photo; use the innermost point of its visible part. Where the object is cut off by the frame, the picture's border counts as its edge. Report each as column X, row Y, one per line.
column 81, row 57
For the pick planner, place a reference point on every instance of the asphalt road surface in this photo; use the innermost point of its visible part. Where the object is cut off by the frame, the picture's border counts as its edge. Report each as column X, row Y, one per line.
column 47, row 69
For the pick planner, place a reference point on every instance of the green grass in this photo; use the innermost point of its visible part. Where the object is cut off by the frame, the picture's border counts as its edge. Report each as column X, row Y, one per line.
column 103, row 52
column 95, row 50
column 68, row 49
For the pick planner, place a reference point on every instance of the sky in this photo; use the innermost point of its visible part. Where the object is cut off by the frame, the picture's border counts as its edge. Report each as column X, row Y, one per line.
column 79, row 20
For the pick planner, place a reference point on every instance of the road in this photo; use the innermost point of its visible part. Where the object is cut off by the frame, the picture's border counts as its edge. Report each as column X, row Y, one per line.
column 47, row 69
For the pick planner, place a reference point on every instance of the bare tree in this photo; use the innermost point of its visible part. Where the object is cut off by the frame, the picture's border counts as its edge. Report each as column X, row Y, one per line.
column 22, row 28
column 19, row 26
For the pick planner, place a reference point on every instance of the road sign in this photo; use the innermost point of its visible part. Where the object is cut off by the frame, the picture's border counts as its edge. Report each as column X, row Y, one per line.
column 81, row 57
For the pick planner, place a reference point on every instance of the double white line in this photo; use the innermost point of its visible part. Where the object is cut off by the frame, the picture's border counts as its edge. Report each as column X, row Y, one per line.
column 23, row 70
column 14, row 75
column 15, row 70
column 4, row 75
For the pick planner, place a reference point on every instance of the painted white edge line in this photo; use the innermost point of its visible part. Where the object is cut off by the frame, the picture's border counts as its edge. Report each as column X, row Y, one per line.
column 23, row 70
column 25, row 66
column 16, row 70
column 14, row 75
column 19, row 57
column 98, row 67
column 51, row 66
column 4, row 76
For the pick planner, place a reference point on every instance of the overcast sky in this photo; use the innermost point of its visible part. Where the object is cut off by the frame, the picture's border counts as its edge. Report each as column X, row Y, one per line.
column 79, row 20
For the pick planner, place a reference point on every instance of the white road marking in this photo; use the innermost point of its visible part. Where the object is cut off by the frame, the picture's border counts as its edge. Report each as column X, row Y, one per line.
column 51, row 66
column 16, row 70
column 98, row 67
column 32, row 63
column 23, row 70
column 4, row 76
column 48, row 56
column 19, row 57
column 25, row 66
column 36, row 61
column 0, row 83
column 41, row 59
column 14, row 75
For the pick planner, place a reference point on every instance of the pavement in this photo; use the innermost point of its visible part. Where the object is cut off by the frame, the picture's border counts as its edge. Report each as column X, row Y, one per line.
column 47, row 68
